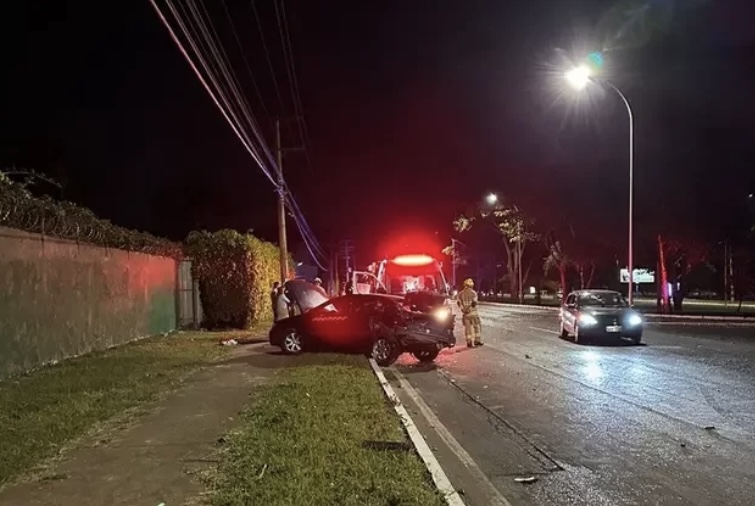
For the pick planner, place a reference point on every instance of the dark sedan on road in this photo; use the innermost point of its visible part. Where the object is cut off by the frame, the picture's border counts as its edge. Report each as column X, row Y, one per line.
column 376, row 325
column 599, row 315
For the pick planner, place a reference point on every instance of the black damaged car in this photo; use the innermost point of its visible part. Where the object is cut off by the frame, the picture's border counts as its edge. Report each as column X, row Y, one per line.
column 376, row 325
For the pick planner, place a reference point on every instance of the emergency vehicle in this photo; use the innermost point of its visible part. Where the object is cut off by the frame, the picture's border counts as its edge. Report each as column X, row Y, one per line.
column 400, row 275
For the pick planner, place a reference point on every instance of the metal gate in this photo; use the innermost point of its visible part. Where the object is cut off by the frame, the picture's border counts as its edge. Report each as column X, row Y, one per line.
column 189, row 304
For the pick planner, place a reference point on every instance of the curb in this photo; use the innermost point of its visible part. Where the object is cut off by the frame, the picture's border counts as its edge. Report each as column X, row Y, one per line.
column 525, row 306
column 442, row 483
column 649, row 315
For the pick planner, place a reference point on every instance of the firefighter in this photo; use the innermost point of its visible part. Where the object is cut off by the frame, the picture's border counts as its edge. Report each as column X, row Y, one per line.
column 467, row 302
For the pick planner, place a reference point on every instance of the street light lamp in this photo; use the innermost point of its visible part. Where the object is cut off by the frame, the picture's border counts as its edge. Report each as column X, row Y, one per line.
column 492, row 198
column 579, row 78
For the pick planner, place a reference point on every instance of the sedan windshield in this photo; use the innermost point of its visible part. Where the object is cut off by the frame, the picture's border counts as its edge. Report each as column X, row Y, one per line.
column 602, row 299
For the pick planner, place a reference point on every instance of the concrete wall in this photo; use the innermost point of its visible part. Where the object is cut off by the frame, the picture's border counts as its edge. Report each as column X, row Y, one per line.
column 59, row 298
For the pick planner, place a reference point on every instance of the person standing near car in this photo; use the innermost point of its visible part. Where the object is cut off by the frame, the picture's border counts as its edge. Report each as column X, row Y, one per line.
column 467, row 302
column 274, row 300
column 282, row 305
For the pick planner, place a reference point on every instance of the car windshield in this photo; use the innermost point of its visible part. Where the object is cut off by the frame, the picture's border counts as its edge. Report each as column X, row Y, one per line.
column 602, row 299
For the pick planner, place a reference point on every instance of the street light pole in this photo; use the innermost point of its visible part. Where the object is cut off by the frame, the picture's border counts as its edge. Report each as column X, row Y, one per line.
column 630, row 252
column 579, row 78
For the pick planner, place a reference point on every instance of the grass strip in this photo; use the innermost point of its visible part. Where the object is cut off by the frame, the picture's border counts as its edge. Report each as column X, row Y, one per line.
column 42, row 411
column 322, row 434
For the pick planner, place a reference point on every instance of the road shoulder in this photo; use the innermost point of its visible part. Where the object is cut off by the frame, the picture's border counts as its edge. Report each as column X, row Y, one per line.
column 464, row 473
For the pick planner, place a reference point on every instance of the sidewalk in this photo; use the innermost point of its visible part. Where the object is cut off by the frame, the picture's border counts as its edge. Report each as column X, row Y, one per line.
column 161, row 456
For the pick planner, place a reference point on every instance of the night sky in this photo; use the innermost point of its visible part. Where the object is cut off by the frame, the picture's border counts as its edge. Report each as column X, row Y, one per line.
column 413, row 108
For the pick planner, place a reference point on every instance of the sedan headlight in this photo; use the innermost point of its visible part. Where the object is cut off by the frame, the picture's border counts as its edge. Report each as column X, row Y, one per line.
column 587, row 320
column 634, row 319
column 442, row 314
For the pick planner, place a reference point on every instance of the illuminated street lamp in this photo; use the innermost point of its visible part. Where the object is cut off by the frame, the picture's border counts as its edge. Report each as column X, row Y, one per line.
column 579, row 77
column 492, row 198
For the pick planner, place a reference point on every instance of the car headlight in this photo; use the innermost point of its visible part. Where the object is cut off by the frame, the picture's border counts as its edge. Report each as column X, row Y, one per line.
column 634, row 320
column 442, row 314
column 587, row 319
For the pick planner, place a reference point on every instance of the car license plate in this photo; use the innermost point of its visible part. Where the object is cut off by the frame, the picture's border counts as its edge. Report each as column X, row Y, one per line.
column 613, row 328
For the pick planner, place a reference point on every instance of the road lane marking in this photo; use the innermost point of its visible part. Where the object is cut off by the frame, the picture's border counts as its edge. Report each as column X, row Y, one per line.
column 724, row 324
column 431, row 462
column 450, row 441
column 545, row 330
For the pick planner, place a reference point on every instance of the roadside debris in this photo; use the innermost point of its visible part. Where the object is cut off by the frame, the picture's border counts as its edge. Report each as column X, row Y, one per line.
column 710, row 427
column 262, row 473
column 527, row 356
column 526, row 481
column 229, row 342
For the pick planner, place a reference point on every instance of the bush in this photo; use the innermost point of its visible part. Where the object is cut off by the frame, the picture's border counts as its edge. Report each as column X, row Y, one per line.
column 21, row 210
column 235, row 273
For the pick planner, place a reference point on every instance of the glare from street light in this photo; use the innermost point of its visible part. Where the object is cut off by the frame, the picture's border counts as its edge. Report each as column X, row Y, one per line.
column 492, row 198
column 578, row 77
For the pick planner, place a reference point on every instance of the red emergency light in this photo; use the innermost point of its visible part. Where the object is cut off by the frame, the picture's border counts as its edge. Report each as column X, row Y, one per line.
column 413, row 260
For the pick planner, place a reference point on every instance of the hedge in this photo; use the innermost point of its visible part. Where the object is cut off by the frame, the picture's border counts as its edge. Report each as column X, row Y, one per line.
column 235, row 273
column 21, row 210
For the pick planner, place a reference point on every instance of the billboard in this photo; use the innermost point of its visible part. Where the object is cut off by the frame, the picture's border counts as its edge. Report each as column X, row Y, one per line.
column 641, row 276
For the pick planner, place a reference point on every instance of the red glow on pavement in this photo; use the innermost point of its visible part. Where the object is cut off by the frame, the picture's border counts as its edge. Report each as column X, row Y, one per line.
column 413, row 260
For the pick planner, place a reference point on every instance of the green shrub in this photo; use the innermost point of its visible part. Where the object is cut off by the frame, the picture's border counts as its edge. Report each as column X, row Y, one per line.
column 235, row 273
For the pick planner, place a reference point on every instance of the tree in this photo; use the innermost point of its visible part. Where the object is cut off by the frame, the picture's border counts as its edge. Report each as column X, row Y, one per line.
column 458, row 258
column 557, row 259
column 515, row 228
column 565, row 250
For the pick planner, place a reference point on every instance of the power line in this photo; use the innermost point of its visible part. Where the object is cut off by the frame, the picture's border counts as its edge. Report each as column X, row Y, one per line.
column 223, row 65
column 207, row 87
column 269, row 60
column 246, row 62
column 292, row 81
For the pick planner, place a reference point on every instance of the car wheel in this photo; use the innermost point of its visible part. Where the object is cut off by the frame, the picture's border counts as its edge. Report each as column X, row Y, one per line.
column 384, row 351
column 426, row 356
column 292, row 344
column 636, row 340
column 564, row 333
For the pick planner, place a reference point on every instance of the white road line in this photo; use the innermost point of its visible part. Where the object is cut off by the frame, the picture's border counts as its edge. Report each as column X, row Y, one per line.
column 433, row 466
column 549, row 331
column 707, row 323
column 458, row 450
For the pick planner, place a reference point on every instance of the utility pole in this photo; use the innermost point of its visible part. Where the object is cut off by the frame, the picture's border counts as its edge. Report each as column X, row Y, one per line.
column 346, row 251
column 282, row 240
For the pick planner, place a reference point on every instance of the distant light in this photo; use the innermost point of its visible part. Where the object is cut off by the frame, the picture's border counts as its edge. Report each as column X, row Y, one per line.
column 492, row 198
column 578, row 77
column 752, row 195
column 413, row 260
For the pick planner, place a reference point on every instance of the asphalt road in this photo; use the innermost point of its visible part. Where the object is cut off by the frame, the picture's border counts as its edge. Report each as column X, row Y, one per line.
column 670, row 422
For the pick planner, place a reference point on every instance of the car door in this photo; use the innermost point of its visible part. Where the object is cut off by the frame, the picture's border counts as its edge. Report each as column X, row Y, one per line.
column 364, row 311
column 330, row 322
column 569, row 312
